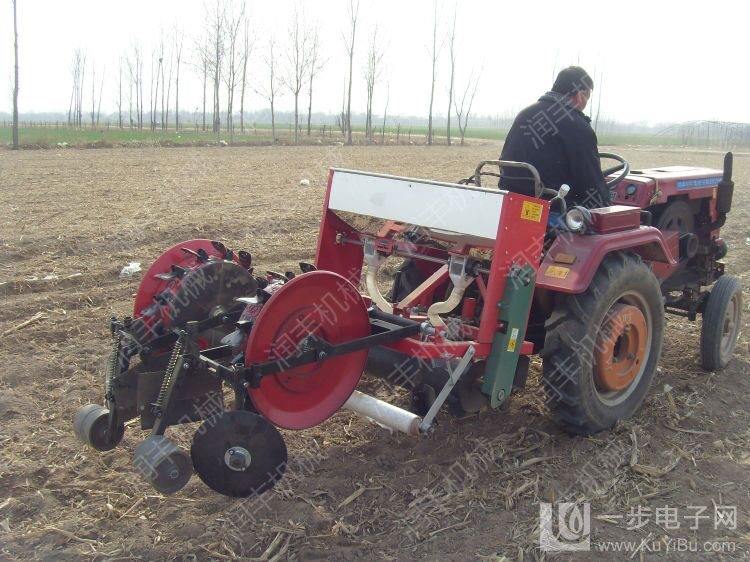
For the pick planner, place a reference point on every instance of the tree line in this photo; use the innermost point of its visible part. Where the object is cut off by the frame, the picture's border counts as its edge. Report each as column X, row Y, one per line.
column 147, row 84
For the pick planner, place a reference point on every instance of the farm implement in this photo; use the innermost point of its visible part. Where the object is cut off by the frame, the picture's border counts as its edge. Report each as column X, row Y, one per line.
column 485, row 279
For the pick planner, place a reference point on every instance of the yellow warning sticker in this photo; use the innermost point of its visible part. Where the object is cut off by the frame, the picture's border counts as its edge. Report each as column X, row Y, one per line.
column 557, row 271
column 531, row 211
column 513, row 339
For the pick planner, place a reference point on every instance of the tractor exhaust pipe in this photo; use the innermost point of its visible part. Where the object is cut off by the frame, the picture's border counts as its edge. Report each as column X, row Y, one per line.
column 383, row 413
column 726, row 186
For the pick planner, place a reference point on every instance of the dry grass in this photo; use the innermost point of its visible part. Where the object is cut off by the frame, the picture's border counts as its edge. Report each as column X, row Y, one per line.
column 358, row 491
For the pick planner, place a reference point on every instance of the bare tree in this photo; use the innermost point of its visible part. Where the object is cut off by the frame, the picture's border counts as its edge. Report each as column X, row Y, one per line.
column 451, row 84
column 216, row 19
column 130, row 103
column 270, row 91
column 140, row 89
column 166, row 86
column 156, row 62
column 235, row 20
column 77, row 69
column 316, row 64
column 464, row 109
column 297, row 64
column 160, row 77
column 385, row 111
column 178, row 59
column 247, row 48
column 203, row 56
column 434, row 56
column 99, row 102
column 349, row 41
column 70, row 108
column 15, row 76
column 205, row 75
column 119, row 95
column 372, row 72
column 599, row 101
column 93, row 94
column 341, row 119
column 135, row 70
column 79, row 92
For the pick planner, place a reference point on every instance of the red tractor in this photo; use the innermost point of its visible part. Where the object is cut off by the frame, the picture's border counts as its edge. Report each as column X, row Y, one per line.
column 488, row 278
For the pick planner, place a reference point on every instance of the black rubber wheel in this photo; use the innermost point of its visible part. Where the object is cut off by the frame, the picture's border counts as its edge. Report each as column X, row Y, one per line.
column 677, row 215
column 238, row 454
column 573, row 362
column 162, row 464
column 721, row 323
column 91, row 426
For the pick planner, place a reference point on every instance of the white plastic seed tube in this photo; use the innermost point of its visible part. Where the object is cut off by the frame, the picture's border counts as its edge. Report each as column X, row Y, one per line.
column 374, row 260
column 383, row 413
column 444, row 307
column 374, row 292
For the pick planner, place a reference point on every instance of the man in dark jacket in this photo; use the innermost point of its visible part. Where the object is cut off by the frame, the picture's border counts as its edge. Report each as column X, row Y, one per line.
column 556, row 138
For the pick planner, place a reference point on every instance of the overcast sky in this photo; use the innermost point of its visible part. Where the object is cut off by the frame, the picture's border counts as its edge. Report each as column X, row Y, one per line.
column 653, row 60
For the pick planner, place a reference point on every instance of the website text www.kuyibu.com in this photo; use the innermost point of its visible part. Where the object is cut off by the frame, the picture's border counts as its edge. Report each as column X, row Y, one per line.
column 680, row 544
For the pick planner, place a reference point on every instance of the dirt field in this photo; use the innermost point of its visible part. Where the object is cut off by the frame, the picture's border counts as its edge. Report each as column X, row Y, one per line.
column 73, row 218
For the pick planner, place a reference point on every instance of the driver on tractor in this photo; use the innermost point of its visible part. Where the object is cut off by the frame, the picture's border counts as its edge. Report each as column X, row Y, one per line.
column 555, row 137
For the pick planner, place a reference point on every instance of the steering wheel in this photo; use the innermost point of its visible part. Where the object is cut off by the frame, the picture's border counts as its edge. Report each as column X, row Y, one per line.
column 623, row 167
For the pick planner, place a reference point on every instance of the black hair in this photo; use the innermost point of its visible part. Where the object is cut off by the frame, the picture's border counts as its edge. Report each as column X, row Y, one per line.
column 572, row 80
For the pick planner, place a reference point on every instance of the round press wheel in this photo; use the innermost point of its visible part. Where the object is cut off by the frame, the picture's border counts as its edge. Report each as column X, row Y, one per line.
column 721, row 323
column 163, row 464
column 91, row 427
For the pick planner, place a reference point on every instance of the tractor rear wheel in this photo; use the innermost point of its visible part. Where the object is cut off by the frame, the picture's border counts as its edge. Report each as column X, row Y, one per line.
column 602, row 346
column 721, row 323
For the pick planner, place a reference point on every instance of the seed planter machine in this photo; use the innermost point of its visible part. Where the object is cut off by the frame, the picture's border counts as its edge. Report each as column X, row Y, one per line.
column 488, row 279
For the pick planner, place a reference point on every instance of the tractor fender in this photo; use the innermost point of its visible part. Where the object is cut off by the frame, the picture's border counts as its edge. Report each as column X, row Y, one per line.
column 572, row 260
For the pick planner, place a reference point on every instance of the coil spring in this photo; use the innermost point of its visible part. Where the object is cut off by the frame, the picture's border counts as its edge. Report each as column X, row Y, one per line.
column 112, row 365
column 169, row 374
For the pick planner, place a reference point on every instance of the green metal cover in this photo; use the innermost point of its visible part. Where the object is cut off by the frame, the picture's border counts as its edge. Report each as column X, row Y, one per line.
column 514, row 312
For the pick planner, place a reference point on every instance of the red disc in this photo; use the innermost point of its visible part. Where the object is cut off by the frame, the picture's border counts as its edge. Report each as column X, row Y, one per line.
column 330, row 307
column 151, row 285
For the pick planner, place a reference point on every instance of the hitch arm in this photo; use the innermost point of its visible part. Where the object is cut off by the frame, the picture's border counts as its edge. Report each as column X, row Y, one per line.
column 386, row 328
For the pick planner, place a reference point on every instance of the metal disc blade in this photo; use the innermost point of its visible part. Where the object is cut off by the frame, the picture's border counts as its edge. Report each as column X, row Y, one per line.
column 255, row 444
column 221, row 283
column 151, row 285
column 319, row 303
column 208, row 288
column 204, row 288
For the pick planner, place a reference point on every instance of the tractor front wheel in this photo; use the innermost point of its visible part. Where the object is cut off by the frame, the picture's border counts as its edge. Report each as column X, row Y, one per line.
column 602, row 346
column 721, row 323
